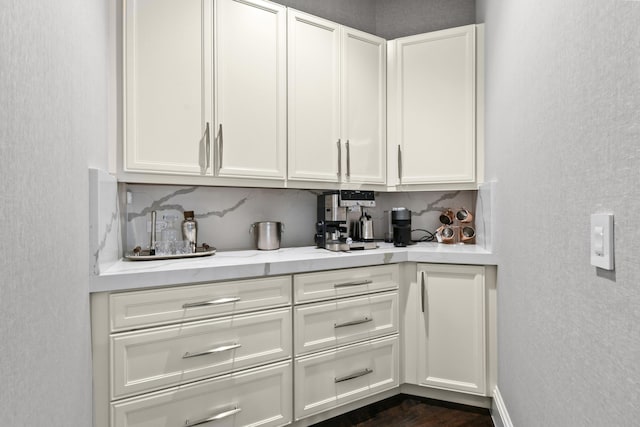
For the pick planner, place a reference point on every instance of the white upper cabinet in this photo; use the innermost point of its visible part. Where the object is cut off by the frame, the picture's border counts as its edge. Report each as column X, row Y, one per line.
column 168, row 96
column 337, row 104
column 432, row 89
column 250, row 87
column 364, row 106
column 314, row 98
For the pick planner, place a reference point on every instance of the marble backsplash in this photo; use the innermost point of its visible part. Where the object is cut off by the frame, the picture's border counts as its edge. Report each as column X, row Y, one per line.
column 225, row 214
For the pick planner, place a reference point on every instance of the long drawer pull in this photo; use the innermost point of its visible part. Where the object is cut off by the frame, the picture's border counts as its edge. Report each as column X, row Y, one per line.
column 353, row 322
column 354, row 375
column 212, row 351
column 225, row 300
column 217, row 416
column 357, row 283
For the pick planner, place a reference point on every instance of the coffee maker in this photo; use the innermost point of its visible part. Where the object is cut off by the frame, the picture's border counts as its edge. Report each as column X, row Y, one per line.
column 334, row 231
column 401, row 223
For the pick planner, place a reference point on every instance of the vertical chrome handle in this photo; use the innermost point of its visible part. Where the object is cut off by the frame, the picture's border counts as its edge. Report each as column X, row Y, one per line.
column 220, row 146
column 227, row 413
column 348, row 160
column 207, row 147
column 399, row 163
column 423, row 290
column 339, row 159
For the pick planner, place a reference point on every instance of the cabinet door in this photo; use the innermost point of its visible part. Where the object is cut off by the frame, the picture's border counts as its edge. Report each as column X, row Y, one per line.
column 364, row 106
column 313, row 98
column 451, row 339
column 168, row 96
column 250, row 86
column 434, row 106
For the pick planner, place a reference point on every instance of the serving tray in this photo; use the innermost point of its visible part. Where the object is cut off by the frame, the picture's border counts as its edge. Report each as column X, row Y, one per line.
column 144, row 255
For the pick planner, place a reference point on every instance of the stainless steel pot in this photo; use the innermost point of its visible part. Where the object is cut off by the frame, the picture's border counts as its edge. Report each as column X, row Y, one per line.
column 267, row 234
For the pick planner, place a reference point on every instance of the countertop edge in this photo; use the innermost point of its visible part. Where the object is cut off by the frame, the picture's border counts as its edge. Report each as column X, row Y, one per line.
column 247, row 264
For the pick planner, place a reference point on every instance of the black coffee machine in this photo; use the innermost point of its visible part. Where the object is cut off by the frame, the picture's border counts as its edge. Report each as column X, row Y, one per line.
column 401, row 223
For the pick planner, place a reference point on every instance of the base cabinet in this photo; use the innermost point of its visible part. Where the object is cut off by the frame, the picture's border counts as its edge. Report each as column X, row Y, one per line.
column 293, row 349
column 327, row 379
column 259, row 397
column 452, row 328
column 346, row 339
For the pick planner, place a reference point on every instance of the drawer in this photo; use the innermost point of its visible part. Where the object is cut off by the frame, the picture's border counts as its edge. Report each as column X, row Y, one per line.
column 130, row 310
column 328, row 324
column 257, row 397
column 167, row 356
column 338, row 283
column 332, row 378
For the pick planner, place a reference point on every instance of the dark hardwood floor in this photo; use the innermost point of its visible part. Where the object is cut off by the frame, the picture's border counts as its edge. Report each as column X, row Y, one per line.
column 410, row 411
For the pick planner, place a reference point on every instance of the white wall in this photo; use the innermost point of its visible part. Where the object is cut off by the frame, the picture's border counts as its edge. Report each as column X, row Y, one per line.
column 563, row 141
column 52, row 121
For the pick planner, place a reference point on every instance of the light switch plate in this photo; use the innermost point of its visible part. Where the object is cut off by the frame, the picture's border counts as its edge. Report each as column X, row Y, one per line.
column 602, row 241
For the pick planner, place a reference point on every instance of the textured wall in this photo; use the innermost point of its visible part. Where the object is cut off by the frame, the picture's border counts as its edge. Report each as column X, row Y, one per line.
column 359, row 14
column 52, row 116
column 391, row 18
column 399, row 18
column 563, row 141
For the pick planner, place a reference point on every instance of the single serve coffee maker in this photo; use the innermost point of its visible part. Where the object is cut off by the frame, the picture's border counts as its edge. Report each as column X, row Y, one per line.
column 401, row 223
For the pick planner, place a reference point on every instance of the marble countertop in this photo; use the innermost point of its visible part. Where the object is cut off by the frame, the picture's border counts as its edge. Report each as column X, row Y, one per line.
column 127, row 275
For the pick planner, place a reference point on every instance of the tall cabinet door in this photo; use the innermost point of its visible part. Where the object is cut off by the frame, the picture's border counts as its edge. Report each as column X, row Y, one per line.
column 364, row 106
column 451, row 337
column 433, row 109
column 168, row 95
column 250, row 86
column 313, row 98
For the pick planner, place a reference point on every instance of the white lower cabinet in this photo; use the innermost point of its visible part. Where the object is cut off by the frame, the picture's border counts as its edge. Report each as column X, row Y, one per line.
column 162, row 357
column 194, row 354
column 257, row 397
column 452, row 328
column 327, row 379
column 238, row 353
column 347, row 346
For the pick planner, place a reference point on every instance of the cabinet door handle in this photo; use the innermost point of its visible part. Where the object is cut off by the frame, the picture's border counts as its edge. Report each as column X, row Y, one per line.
column 348, row 160
column 399, row 163
column 352, row 322
column 220, row 146
column 357, row 283
column 225, row 300
column 205, row 141
column 423, row 290
column 358, row 374
column 220, row 415
column 220, row 349
column 339, row 159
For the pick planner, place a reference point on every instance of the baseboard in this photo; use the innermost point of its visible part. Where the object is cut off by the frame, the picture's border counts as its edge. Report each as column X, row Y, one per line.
column 499, row 412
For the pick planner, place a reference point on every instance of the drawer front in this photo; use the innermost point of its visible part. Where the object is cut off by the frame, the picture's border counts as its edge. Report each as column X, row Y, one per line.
column 337, row 283
column 167, row 356
column 258, row 397
column 129, row 310
column 327, row 324
column 329, row 379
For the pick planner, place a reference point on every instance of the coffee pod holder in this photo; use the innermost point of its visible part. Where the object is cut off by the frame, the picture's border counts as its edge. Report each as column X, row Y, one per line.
column 457, row 227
